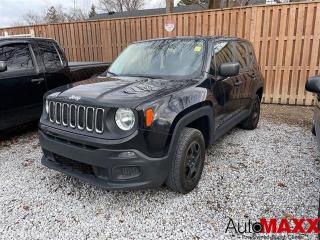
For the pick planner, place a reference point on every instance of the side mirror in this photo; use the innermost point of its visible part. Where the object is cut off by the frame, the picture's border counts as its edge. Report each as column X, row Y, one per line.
column 313, row 84
column 3, row 66
column 229, row 69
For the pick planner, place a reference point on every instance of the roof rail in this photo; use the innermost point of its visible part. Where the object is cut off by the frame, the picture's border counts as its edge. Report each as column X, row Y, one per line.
column 27, row 35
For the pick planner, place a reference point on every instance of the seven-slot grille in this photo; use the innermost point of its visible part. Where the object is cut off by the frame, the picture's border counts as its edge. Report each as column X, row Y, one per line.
column 86, row 118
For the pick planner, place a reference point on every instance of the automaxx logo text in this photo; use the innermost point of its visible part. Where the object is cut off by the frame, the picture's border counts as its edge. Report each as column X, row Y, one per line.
column 275, row 226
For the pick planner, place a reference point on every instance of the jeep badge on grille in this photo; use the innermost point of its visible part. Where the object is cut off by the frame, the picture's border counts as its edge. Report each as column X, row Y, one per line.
column 73, row 97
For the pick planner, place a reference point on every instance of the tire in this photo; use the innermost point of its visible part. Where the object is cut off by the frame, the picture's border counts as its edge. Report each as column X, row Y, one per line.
column 313, row 130
column 188, row 161
column 252, row 121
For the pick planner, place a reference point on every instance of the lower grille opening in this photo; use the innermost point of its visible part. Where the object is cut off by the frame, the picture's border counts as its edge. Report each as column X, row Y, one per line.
column 74, row 165
column 126, row 172
column 63, row 140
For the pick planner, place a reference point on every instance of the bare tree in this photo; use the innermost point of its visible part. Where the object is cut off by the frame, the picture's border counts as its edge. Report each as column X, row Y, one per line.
column 55, row 15
column 210, row 4
column 133, row 4
column 92, row 12
column 192, row 2
column 17, row 24
column 32, row 18
column 76, row 14
column 120, row 5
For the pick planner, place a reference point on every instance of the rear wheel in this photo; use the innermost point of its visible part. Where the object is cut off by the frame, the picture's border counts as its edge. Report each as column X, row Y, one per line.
column 252, row 121
column 187, row 165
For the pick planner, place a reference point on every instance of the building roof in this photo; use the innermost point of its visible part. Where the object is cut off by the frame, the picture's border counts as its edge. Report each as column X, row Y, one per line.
column 158, row 11
column 148, row 12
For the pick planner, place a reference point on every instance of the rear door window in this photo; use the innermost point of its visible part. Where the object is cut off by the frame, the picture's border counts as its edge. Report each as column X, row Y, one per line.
column 50, row 55
column 17, row 57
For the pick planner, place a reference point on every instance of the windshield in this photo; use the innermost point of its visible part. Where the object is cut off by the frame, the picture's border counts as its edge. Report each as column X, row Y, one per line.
column 161, row 58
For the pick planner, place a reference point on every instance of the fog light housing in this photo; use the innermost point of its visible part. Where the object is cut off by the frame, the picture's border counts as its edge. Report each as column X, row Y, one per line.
column 127, row 155
column 126, row 172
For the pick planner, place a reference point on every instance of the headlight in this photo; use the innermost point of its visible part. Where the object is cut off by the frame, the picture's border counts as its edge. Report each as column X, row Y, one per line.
column 47, row 107
column 125, row 119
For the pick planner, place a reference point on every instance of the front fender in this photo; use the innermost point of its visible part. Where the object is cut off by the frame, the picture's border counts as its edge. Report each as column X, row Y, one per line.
column 169, row 109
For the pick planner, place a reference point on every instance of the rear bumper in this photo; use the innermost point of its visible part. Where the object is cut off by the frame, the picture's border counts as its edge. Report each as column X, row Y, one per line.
column 102, row 167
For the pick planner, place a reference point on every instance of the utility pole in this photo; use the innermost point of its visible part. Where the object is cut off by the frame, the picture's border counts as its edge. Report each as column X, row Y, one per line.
column 169, row 6
column 214, row 4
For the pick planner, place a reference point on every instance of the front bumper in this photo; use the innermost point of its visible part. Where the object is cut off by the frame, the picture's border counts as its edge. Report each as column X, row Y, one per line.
column 102, row 167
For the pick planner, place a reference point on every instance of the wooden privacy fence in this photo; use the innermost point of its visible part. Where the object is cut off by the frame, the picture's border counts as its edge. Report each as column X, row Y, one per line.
column 286, row 39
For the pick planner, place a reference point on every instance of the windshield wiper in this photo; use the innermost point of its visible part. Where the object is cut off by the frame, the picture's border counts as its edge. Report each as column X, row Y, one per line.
column 111, row 73
column 146, row 76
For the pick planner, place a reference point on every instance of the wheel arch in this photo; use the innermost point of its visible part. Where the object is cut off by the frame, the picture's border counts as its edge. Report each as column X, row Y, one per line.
column 259, row 92
column 201, row 118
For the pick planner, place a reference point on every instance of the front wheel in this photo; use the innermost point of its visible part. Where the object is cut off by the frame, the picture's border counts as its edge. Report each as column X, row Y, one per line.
column 252, row 121
column 188, row 162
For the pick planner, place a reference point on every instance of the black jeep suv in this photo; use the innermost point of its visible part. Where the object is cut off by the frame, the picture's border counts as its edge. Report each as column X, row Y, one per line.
column 149, row 119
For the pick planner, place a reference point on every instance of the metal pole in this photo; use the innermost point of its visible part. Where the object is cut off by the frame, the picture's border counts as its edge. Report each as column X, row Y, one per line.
column 169, row 6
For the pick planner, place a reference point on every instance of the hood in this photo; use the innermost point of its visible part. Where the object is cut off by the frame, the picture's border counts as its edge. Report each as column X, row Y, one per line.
column 120, row 91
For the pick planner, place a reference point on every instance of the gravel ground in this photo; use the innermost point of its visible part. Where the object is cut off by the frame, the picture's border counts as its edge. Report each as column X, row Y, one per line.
column 273, row 171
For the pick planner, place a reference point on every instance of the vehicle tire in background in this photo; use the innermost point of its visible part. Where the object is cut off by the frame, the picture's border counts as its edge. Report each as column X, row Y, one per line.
column 188, row 161
column 252, row 121
column 319, row 218
column 313, row 130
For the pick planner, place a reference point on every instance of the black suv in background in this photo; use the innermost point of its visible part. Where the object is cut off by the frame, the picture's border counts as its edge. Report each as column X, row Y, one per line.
column 29, row 67
column 148, row 120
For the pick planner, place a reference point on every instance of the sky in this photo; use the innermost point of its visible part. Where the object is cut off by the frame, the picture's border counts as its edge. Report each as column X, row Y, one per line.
column 12, row 11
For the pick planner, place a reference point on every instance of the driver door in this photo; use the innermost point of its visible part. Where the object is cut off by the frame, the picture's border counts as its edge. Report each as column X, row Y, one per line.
column 223, row 52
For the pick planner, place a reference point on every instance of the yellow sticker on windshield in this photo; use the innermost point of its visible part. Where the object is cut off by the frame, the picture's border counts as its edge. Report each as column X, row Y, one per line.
column 198, row 48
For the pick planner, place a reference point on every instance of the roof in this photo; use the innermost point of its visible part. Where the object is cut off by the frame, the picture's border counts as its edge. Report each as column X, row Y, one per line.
column 148, row 12
column 20, row 40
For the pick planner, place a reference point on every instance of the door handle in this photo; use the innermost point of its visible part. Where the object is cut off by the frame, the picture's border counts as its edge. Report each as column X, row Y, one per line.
column 238, row 83
column 37, row 80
